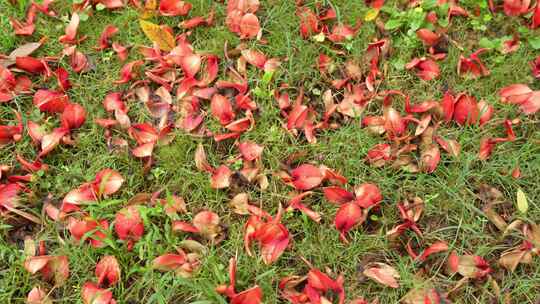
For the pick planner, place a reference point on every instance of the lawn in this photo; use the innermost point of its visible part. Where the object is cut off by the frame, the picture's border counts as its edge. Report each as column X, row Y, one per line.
column 472, row 203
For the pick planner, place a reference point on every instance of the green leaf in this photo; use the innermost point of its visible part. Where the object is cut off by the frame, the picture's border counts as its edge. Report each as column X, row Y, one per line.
column 443, row 22
column 83, row 16
column 429, row 4
column 393, row 24
column 399, row 64
column 535, row 42
column 487, row 43
column 100, row 7
column 267, row 77
column 522, row 203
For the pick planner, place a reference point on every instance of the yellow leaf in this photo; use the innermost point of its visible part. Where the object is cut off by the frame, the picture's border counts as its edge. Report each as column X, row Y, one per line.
column 158, row 34
column 150, row 7
column 371, row 14
column 522, row 203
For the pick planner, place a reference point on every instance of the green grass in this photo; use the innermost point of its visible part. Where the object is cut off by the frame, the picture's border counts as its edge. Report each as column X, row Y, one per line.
column 453, row 213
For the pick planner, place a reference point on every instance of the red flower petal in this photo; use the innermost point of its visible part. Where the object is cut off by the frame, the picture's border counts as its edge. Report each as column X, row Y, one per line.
column 50, row 101
column 486, row 147
column 50, row 141
column 71, row 30
column 485, row 111
column 249, row 26
column 367, row 195
column 169, row 262
column 126, row 73
column 221, row 178
column 296, row 203
column 347, row 217
column 174, row 7
column 63, row 79
column 108, row 271
column 515, row 93
column 30, row 64
column 191, row 64
column 74, row 116
column 337, row 195
column 107, row 182
column 429, row 158
column 207, row 224
column 250, row 151
column 37, row 296
column 516, row 7
column 254, row 57
column 274, row 239
column 104, row 38
column 90, row 229
column 531, row 105
column 536, row 17
column 222, row 109
column 120, row 50
column 466, row 110
column 383, row 274
column 434, row 248
column 92, row 294
column 144, row 150
column 428, row 37
column 128, row 224
column 83, row 194
column 306, row 177
column 251, row 296
column 183, row 226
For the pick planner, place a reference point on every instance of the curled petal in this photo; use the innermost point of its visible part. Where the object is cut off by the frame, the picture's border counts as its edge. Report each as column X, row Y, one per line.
column 38, row 296
column 74, row 116
column 428, row 37
column 108, row 271
column 30, row 64
column 106, row 35
column 383, row 274
column 174, row 7
column 367, row 195
column 50, row 141
column 191, row 64
column 337, row 195
column 222, row 109
column 126, row 73
column 128, row 224
column 254, row 57
column 249, row 26
column 71, row 30
column 250, row 151
column 429, row 158
column 466, row 110
column 92, row 294
column 348, row 216
column 306, row 177
column 221, row 178
column 50, row 101
column 169, row 262
column 108, row 181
